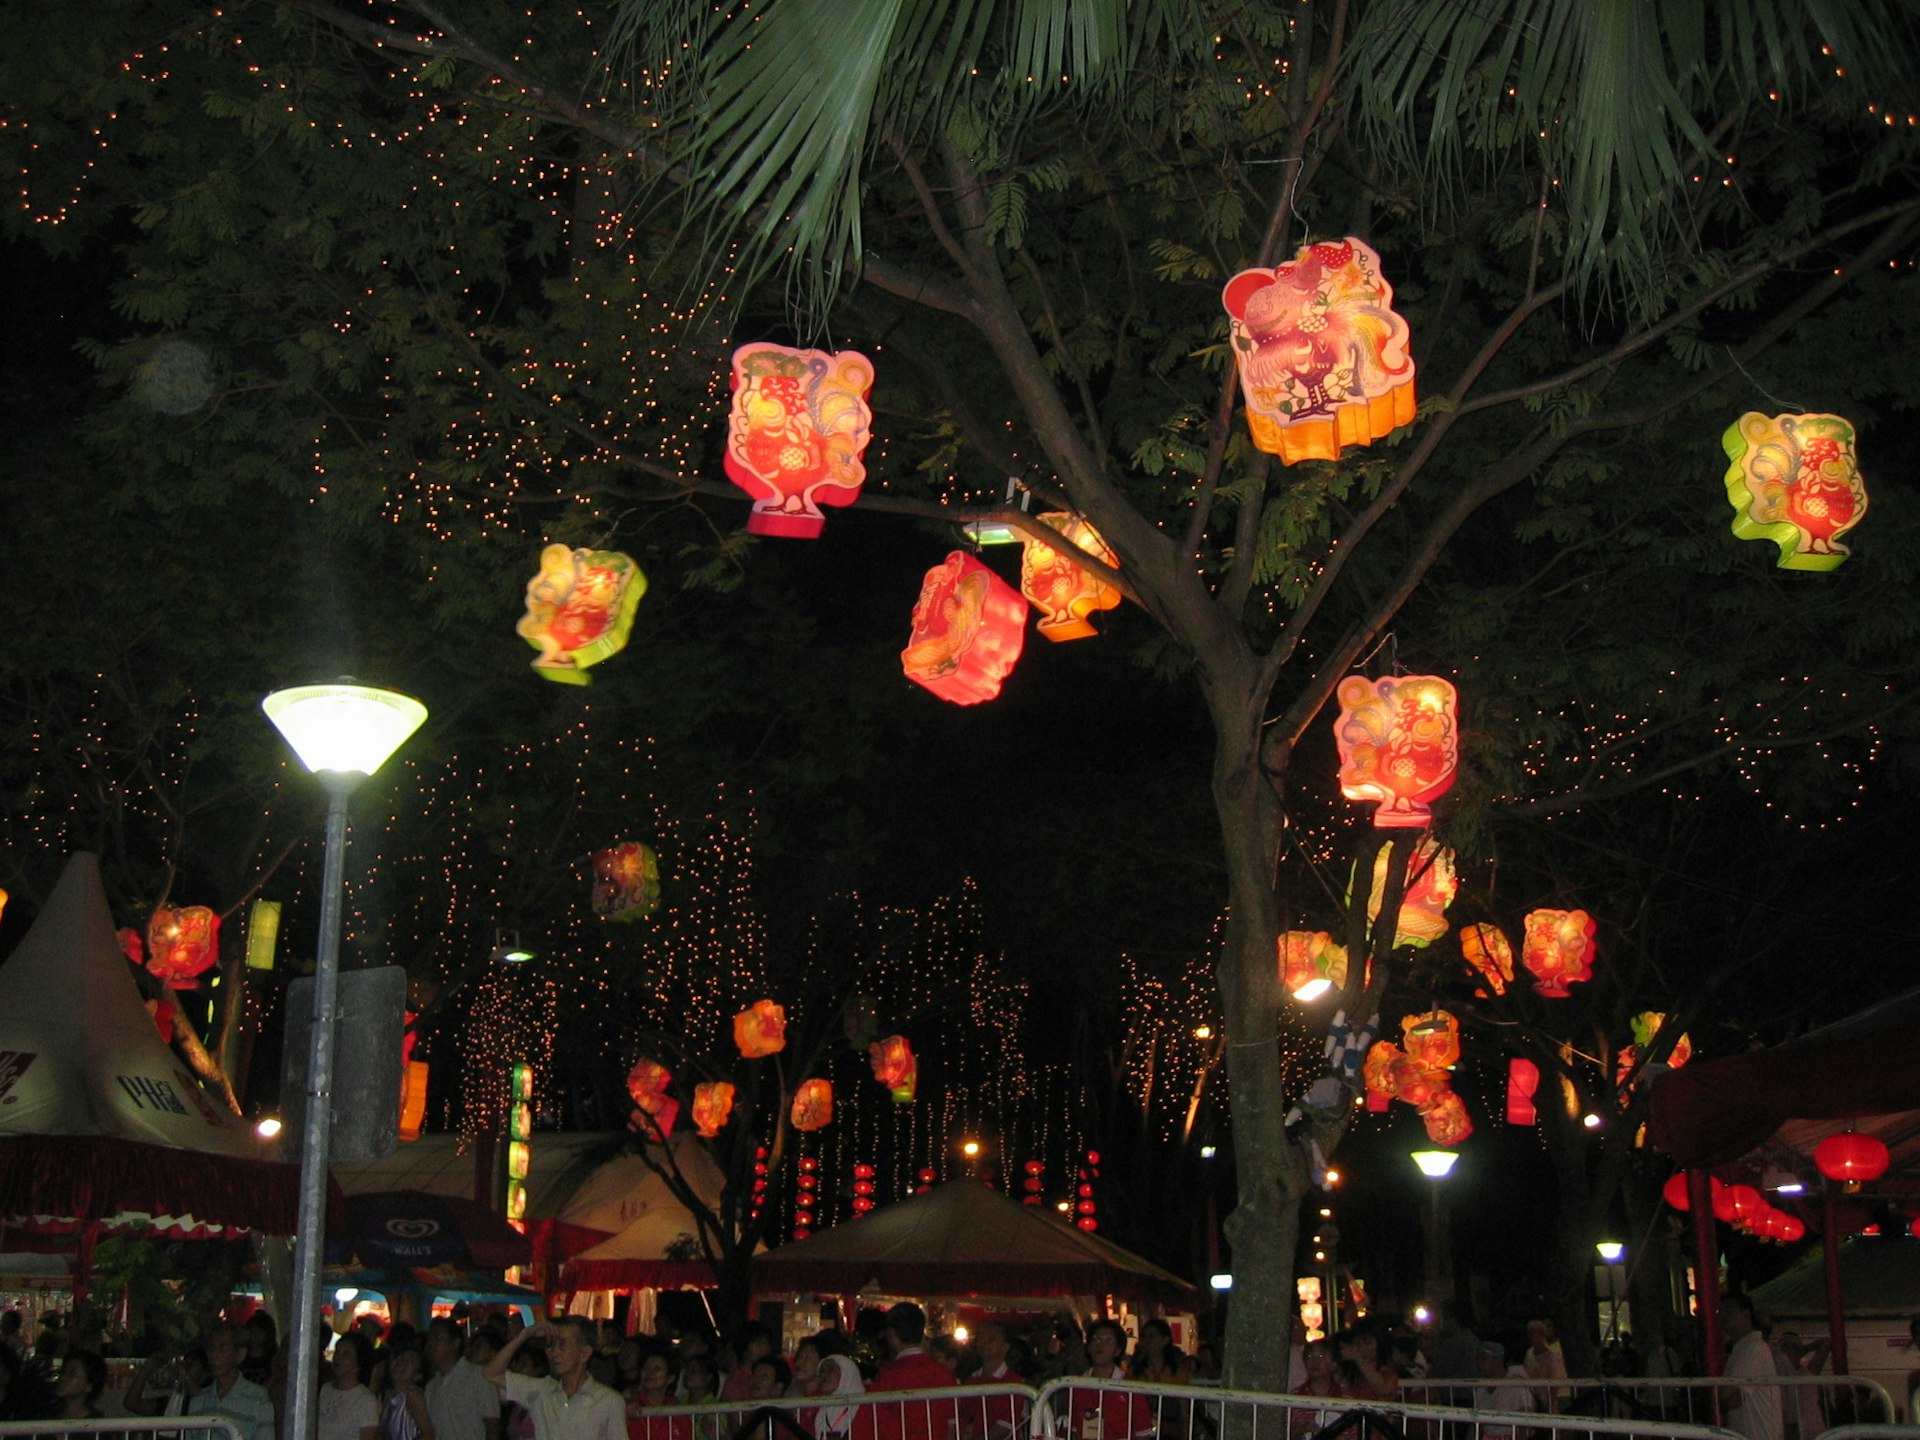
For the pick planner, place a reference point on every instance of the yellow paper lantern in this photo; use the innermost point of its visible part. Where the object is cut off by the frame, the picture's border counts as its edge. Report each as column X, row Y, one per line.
column 1487, row 949
column 1558, row 950
column 1431, row 886
column 1064, row 593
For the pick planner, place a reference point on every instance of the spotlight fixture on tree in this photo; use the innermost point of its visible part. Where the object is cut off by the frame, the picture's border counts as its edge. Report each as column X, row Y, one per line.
column 1399, row 745
column 797, row 434
column 1794, row 480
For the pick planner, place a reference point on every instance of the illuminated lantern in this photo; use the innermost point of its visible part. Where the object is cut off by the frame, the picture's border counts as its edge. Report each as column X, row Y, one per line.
column 712, row 1104
column 1446, row 1119
column 654, row 1110
column 798, row 430
column 580, row 610
column 895, row 1067
column 163, row 1013
column 1487, row 949
column 1792, row 1228
column 263, row 934
column 760, row 1029
column 1399, row 744
column 182, row 943
column 1378, row 1071
column 813, row 1105
column 1431, row 886
column 1432, row 1040
column 1322, row 353
column 1721, row 1201
column 1063, row 592
column 1851, row 1158
column 1675, row 1192
column 1744, row 1204
column 626, row 882
column 413, row 1099
column 1794, row 480
column 1523, row 1080
column 968, row 627
column 1558, row 950
column 1418, row 1085
column 4, row 897
column 1311, row 964
column 1646, row 1025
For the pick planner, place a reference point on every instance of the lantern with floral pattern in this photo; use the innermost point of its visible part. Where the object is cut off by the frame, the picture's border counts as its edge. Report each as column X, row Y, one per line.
column 1378, row 1071
column 1447, row 1120
column 1558, row 950
column 968, row 628
column 1487, row 949
column 626, row 882
column 812, row 1105
column 654, row 1109
column 797, row 434
column 182, row 943
column 712, row 1105
column 580, row 610
column 760, row 1029
column 1399, row 744
column 1322, row 353
column 895, row 1067
column 1432, row 1039
column 1794, row 480
column 1431, row 886
column 1063, row 592
column 1311, row 964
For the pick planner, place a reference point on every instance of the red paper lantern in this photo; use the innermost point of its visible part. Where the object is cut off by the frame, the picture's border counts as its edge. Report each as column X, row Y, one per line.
column 862, row 1204
column 797, row 433
column 1447, row 1121
column 182, row 943
column 968, row 627
column 895, row 1067
column 1063, row 592
column 1087, row 1223
column 1744, row 1204
column 1399, row 745
column 1523, row 1080
column 808, row 1164
column 761, row 1029
column 626, row 882
column 1851, row 1158
column 1675, row 1192
column 1322, row 352
column 813, row 1105
column 654, row 1109
column 1720, row 1200
column 1558, row 950
column 712, row 1104
column 1792, row 1228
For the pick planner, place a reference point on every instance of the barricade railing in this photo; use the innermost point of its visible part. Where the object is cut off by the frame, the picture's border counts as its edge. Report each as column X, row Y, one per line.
column 140, row 1427
column 964, row 1412
column 1871, row 1432
column 1813, row 1403
column 1083, row 1409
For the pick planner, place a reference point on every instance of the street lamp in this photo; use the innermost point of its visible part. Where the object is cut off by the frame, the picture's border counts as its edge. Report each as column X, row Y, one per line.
column 342, row 733
column 1436, row 1165
column 1611, row 1252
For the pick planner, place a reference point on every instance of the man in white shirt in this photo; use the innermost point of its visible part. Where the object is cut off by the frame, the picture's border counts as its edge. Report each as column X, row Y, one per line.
column 230, row 1394
column 1752, row 1409
column 461, row 1402
column 568, row 1404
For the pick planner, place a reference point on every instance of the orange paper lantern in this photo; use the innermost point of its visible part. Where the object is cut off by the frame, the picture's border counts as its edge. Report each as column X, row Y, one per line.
column 1322, row 353
column 1378, row 1071
column 1431, row 886
column 797, row 434
column 1447, row 1120
column 1063, row 592
column 413, row 1099
column 760, row 1029
column 1399, row 744
column 182, row 943
column 1432, row 1039
column 580, row 610
column 626, row 882
column 654, row 1109
column 712, row 1105
column 968, row 627
column 1311, row 964
column 1794, row 480
column 894, row 1066
column 813, row 1105
column 1487, row 949
column 1523, row 1080
column 1558, row 950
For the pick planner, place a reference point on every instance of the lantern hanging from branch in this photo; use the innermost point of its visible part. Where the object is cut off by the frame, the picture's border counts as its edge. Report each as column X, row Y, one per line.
column 813, row 1105
column 1399, row 744
column 968, row 627
column 895, row 1067
column 798, row 430
column 263, row 933
column 626, row 881
column 580, row 610
column 760, row 1029
column 1432, row 1039
column 1431, row 885
column 1063, row 592
column 654, row 1109
column 1311, row 964
column 1646, row 1025
column 1558, row 950
column 1852, row 1158
column 712, row 1105
column 182, row 943
column 1322, row 353
column 1794, row 480
column 1378, row 1071
column 1487, row 949
column 1523, row 1081
column 1447, row 1120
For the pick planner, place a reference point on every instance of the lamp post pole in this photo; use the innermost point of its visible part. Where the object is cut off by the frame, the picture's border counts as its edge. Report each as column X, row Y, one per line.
column 1436, row 1165
column 342, row 733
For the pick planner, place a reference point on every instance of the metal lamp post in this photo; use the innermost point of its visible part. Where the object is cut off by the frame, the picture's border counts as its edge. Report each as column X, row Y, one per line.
column 1436, row 1165
column 342, row 733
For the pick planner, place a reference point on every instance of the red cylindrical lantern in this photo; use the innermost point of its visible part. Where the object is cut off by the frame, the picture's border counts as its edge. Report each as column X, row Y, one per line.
column 1792, row 1228
column 1087, row 1222
column 1523, row 1079
column 1674, row 1192
column 1744, row 1204
column 1851, row 1158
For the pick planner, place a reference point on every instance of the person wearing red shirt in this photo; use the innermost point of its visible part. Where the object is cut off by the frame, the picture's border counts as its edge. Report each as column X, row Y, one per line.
column 992, row 1417
column 910, row 1368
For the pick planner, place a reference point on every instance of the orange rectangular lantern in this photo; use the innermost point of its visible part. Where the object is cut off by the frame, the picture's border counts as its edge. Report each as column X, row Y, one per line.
column 712, row 1105
column 1322, row 352
column 760, row 1029
column 968, row 628
column 580, row 610
column 1558, row 950
column 413, row 1099
column 1794, row 480
column 1487, row 949
column 1063, row 592
column 182, row 943
column 1399, row 744
column 797, row 434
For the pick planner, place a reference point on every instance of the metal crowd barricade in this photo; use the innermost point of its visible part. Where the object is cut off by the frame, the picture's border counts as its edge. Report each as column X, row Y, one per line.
column 140, row 1427
column 1812, row 1403
column 1081, row 1409
column 965, row 1412
column 1871, row 1432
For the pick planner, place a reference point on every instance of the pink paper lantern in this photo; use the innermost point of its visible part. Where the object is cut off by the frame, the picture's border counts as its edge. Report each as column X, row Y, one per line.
column 968, row 628
column 1399, row 744
column 797, row 434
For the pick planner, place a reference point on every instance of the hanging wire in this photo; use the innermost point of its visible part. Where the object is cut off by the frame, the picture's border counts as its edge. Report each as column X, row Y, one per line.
column 1793, row 406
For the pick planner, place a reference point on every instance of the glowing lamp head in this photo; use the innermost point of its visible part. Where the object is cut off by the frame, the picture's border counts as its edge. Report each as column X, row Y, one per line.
column 1436, row 1164
column 970, row 1148
column 344, row 729
column 268, row 1127
column 1610, row 1251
